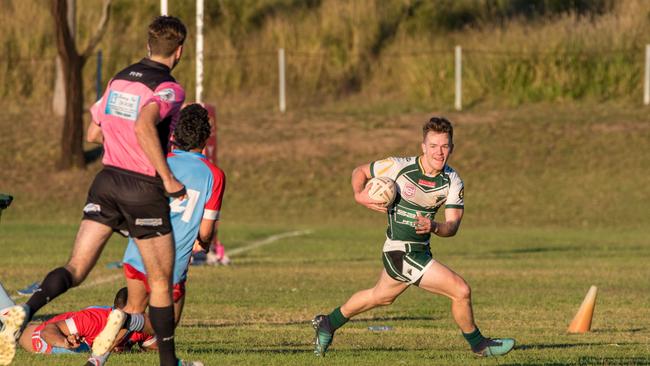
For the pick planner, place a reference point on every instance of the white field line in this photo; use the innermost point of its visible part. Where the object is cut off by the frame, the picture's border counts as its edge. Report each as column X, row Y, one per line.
column 256, row 244
column 89, row 284
column 267, row 241
column 102, row 280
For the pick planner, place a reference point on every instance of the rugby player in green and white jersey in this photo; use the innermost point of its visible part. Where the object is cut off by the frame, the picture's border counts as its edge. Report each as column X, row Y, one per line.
column 425, row 184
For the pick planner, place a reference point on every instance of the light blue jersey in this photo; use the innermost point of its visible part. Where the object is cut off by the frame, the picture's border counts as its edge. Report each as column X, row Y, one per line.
column 205, row 184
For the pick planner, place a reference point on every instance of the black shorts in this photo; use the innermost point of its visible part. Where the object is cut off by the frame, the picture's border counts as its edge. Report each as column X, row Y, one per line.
column 131, row 203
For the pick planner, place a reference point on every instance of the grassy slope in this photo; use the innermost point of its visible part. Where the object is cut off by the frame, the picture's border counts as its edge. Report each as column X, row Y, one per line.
column 550, row 165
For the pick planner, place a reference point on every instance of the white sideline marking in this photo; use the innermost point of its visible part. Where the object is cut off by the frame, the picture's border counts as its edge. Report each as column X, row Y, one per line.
column 102, row 280
column 256, row 244
column 267, row 241
column 89, row 284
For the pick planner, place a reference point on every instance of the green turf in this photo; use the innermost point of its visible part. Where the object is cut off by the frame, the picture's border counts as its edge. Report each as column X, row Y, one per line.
column 527, row 284
column 557, row 200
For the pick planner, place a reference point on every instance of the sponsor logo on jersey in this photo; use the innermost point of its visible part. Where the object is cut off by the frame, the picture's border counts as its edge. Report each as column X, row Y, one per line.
column 92, row 207
column 135, row 74
column 409, row 190
column 426, row 183
column 149, row 222
column 166, row 95
column 122, row 105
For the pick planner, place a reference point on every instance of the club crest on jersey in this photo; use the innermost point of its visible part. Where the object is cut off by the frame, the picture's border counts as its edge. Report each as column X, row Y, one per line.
column 426, row 183
column 167, row 95
column 409, row 190
column 92, row 207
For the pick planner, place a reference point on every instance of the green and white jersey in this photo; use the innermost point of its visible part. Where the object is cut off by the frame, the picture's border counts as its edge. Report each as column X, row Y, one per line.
column 417, row 192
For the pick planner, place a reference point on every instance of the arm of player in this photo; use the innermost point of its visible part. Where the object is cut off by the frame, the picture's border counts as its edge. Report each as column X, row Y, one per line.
column 94, row 133
column 145, row 131
column 207, row 231
column 360, row 176
column 453, row 216
column 58, row 335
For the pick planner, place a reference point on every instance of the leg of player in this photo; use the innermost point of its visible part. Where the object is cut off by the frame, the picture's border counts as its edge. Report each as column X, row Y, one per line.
column 88, row 245
column 178, row 310
column 7, row 348
column 158, row 258
column 138, row 300
column 5, row 299
column 439, row 279
column 383, row 293
column 138, row 296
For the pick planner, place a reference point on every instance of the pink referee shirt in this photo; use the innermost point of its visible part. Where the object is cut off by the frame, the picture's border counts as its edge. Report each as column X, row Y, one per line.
column 116, row 112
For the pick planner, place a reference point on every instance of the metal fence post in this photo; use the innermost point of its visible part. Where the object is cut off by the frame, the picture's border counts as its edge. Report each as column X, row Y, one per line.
column 646, row 84
column 199, row 51
column 459, row 87
column 283, row 102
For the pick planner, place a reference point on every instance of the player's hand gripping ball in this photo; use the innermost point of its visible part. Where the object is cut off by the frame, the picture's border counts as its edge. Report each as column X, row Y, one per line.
column 382, row 190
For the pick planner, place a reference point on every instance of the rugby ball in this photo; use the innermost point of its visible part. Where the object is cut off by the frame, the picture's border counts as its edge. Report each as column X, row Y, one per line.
column 382, row 189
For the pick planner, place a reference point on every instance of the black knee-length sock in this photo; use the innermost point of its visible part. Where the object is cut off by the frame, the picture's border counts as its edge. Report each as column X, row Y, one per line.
column 162, row 321
column 55, row 283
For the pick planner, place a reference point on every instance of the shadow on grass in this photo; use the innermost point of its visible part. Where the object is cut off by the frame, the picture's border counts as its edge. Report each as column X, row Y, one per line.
column 615, row 330
column 594, row 361
column 524, row 347
column 208, row 324
column 227, row 351
column 537, row 250
column 285, row 351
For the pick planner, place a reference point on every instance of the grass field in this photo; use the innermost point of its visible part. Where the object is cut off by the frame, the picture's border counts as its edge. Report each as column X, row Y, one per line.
column 527, row 284
column 557, row 200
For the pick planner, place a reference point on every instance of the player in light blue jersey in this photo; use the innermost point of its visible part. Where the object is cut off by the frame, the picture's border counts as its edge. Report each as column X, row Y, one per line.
column 194, row 219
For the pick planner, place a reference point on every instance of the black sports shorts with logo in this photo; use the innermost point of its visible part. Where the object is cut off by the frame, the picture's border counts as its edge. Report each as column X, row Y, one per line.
column 131, row 203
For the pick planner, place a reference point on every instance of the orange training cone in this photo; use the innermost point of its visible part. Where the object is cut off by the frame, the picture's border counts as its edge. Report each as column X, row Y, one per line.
column 581, row 323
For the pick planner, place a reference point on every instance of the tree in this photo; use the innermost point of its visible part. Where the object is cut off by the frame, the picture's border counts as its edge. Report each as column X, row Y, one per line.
column 72, row 62
column 58, row 97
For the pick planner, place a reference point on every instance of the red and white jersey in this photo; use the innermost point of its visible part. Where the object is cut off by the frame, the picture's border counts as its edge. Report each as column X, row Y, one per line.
column 116, row 112
column 86, row 323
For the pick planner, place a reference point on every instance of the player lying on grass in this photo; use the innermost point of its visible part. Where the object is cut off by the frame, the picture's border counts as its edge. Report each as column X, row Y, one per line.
column 193, row 219
column 74, row 332
column 425, row 183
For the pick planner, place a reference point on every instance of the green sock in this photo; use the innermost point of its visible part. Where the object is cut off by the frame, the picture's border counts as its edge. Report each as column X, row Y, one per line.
column 474, row 338
column 336, row 318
